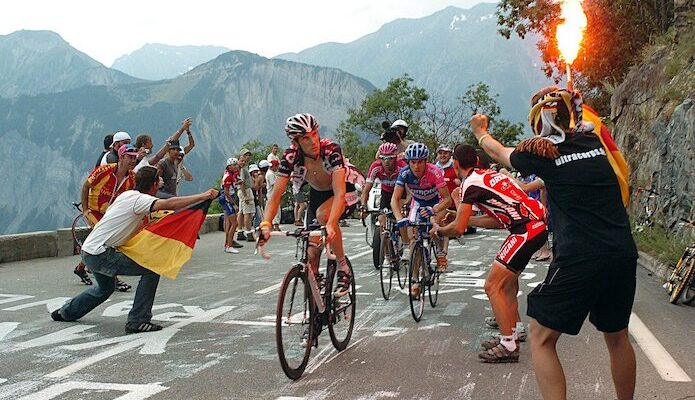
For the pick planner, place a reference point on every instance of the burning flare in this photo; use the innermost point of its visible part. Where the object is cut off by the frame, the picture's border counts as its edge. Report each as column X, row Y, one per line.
column 571, row 31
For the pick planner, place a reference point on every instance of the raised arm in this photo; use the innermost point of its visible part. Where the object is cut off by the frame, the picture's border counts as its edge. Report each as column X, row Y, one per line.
column 495, row 149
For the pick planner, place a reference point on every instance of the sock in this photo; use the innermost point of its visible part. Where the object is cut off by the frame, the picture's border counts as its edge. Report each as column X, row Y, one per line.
column 343, row 266
column 508, row 342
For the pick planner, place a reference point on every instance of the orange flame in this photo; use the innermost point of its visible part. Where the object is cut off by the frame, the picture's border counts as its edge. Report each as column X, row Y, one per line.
column 571, row 31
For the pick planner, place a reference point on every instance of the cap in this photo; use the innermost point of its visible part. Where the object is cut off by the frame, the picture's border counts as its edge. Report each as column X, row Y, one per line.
column 128, row 149
column 274, row 162
column 232, row 161
column 263, row 164
column 244, row 151
column 253, row 167
column 120, row 136
column 443, row 147
column 174, row 144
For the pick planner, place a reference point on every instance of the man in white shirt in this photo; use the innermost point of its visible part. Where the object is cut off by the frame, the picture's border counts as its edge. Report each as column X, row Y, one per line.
column 274, row 150
column 124, row 218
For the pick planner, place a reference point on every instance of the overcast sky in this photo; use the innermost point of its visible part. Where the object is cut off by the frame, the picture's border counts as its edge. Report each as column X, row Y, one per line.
column 106, row 30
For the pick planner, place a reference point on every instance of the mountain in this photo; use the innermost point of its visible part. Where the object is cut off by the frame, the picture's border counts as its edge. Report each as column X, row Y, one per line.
column 51, row 141
column 35, row 62
column 444, row 53
column 160, row 61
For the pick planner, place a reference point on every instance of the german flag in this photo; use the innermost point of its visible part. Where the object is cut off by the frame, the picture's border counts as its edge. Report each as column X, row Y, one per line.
column 615, row 157
column 166, row 244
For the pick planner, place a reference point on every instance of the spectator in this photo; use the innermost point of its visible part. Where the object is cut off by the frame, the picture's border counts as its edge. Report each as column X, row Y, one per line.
column 122, row 220
column 247, row 206
column 226, row 200
column 143, row 143
column 108, row 141
column 274, row 150
column 119, row 139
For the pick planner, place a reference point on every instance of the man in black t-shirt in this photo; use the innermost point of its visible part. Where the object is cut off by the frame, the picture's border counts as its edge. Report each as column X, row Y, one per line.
column 593, row 268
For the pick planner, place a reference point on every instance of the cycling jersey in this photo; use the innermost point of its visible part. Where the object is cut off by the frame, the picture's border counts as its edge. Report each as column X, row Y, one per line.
column 292, row 162
column 425, row 189
column 377, row 171
column 449, row 172
column 104, row 190
column 500, row 197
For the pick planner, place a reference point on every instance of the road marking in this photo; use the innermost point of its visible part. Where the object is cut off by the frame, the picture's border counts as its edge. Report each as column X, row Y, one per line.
column 134, row 391
column 6, row 328
column 9, row 298
column 269, row 288
column 665, row 365
column 454, row 309
column 358, row 255
column 249, row 323
column 51, row 304
column 63, row 335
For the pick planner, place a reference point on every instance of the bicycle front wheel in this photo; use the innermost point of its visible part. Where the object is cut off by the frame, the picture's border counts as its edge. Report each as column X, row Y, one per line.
column 294, row 332
column 416, row 273
column 376, row 249
column 386, row 271
column 433, row 289
column 682, row 279
column 341, row 319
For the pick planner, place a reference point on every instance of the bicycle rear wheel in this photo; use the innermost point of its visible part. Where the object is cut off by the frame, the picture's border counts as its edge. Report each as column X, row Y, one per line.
column 294, row 332
column 376, row 249
column 689, row 291
column 341, row 318
column 386, row 274
column 417, row 262
column 682, row 279
column 80, row 228
column 400, row 265
column 433, row 288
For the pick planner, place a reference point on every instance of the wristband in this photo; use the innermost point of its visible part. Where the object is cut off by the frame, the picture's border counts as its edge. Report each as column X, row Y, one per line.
column 482, row 138
column 402, row 222
column 265, row 224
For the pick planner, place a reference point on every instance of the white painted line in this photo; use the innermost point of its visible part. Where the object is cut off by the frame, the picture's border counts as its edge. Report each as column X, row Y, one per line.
column 134, row 392
column 2, row 381
column 250, row 323
column 358, row 255
column 270, row 288
column 665, row 365
column 6, row 328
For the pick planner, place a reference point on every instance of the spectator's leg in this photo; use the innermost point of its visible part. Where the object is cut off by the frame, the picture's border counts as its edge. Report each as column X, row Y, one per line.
column 546, row 364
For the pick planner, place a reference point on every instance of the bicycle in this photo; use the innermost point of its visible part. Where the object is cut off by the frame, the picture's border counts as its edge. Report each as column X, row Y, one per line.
column 391, row 248
column 372, row 234
column 80, row 228
column 647, row 209
column 427, row 278
column 306, row 304
column 680, row 284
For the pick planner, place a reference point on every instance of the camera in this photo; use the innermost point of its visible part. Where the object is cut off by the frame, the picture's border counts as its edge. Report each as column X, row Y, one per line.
column 390, row 135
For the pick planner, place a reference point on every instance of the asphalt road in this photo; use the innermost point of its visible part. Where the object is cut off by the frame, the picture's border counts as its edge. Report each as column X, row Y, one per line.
column 219, row 342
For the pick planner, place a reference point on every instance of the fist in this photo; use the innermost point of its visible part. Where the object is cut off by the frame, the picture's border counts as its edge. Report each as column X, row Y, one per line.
column 479, row 122
column 186, row 123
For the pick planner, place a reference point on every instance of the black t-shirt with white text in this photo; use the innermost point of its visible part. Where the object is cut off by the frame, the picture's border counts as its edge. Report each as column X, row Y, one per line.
column 584, row 199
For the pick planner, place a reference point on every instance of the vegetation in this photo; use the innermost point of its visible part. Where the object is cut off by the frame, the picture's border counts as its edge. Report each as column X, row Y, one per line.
column 617, row 32
column 660, row 243
column 433, row 120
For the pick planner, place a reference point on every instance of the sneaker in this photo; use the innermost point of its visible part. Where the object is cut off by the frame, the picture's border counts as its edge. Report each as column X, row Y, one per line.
column 406, row 254
column 493, row 342
column 82, row 274
column 442, row 263
column 276, row 228
column 387, row 263
column 122, row 286
column 55, row 315
column 250, row 238
column 344, row 224
column 240, row 235
column 237, row 245
column 231, row 250
column 298, row 223
column 305, row 337
column 135, row 327
column 415, row 291
column 342, row 284
column 499, row 354
column 491, row 322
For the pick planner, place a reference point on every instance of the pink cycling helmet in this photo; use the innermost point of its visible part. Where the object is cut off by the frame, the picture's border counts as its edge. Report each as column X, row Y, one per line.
column 388, row 150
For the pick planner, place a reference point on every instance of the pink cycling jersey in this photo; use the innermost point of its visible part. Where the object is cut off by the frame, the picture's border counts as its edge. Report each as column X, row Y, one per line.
column 426, row 189
column 388, row 181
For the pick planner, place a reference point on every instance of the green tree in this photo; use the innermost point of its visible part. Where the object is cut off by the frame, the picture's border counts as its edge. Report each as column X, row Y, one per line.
column 617, row 30
column 259, row 150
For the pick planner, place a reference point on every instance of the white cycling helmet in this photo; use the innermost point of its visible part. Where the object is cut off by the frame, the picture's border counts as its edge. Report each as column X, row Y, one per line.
column 399, row 123
column 253, row 167
column 300, row 124
column 232, row 161
column 263, row 164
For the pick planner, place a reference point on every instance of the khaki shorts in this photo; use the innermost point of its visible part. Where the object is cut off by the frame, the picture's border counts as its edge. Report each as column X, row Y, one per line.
column 244, row 207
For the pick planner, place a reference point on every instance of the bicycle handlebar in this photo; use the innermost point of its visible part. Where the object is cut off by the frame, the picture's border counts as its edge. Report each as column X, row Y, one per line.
column 301, row 232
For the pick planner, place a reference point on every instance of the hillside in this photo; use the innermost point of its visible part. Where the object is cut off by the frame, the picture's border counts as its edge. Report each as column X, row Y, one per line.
column 35, row 62
column 156, row 61
column 444, row 52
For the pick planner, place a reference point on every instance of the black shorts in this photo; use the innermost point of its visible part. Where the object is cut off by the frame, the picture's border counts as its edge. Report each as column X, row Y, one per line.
column 318, row 197
column 385, row 201
column 603, row 288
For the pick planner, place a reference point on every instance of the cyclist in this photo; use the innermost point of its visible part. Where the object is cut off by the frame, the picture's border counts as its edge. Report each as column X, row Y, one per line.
column 430, row 198
column 321, row 163
column 226, row 200
column 385, row 169
column 501, row 199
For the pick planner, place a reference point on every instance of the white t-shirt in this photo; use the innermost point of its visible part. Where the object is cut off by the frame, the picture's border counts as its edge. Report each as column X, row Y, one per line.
column 122, row 220
column 272, row 157
column 270, row 179
column 144, row 163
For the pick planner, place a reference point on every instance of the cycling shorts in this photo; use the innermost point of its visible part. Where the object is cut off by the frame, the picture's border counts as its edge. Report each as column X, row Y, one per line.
column 518, row 248
column 227, row 207
column 318, row 197
column 414, row 214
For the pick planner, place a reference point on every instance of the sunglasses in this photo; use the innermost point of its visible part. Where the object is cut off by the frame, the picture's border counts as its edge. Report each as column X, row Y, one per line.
column 387, row 158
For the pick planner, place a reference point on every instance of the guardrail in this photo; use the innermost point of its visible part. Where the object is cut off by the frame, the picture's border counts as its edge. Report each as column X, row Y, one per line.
column 28, row 246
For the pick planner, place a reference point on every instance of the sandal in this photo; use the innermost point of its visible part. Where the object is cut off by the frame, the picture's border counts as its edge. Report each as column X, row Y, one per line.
column 499, row 354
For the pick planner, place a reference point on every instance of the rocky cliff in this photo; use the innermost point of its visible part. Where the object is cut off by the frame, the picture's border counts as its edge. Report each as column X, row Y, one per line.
column 50, row 142
column 654, row 115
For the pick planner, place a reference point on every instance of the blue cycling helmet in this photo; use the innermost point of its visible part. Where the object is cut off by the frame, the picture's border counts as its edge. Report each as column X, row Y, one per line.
column 417, row 151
